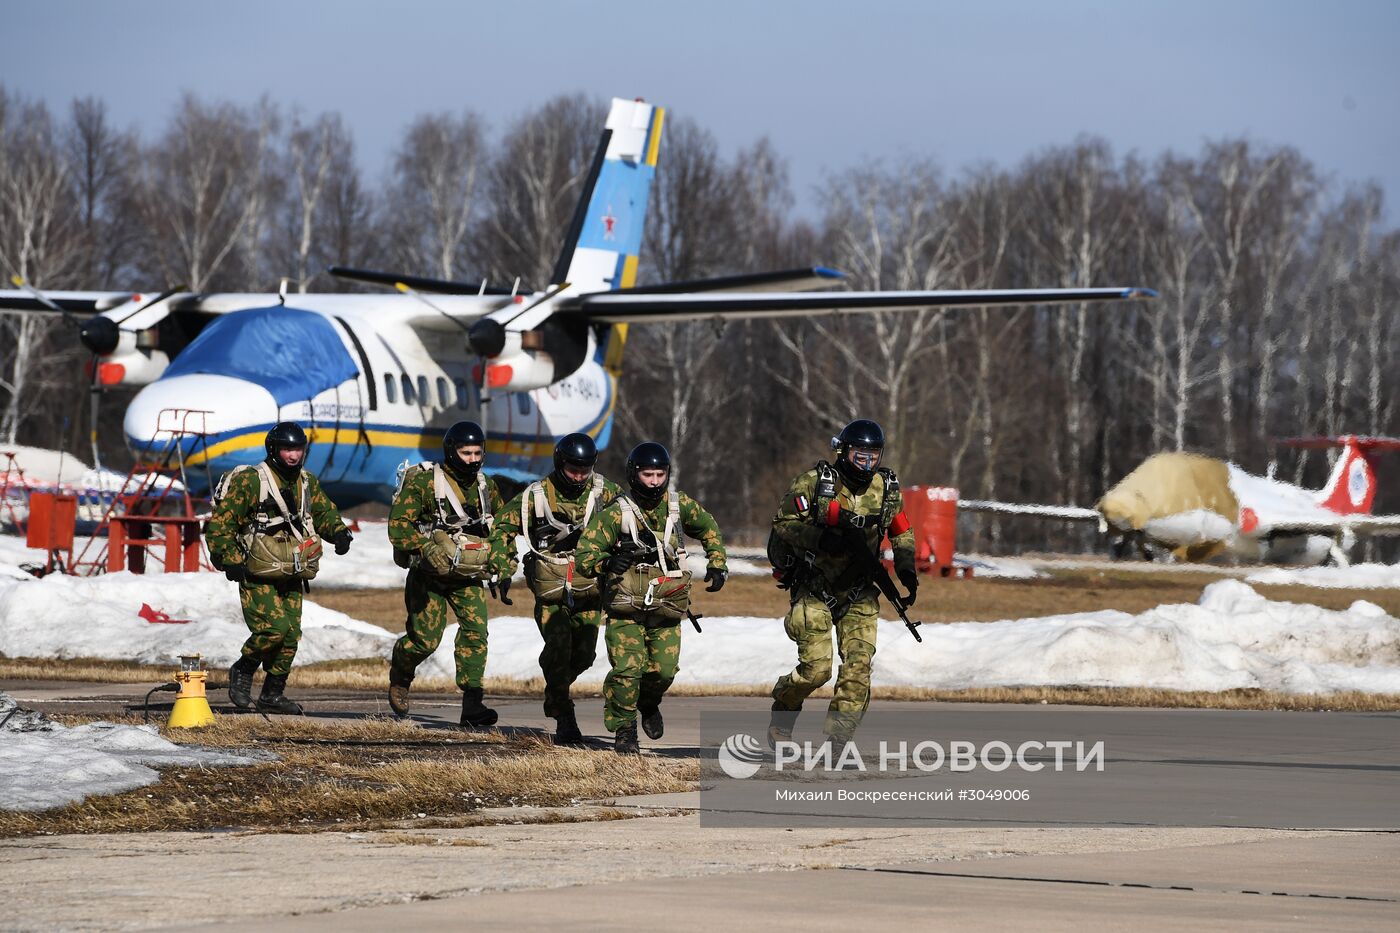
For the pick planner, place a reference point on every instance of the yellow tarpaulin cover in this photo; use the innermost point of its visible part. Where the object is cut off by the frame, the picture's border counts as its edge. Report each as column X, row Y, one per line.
column 1169, row 484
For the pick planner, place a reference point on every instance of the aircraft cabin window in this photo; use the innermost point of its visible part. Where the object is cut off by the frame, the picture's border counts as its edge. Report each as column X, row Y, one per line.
column 461, row 393
column 443, row 398
column 389, row 388
column 523, row 403
column 407, row 388
column 423, row 397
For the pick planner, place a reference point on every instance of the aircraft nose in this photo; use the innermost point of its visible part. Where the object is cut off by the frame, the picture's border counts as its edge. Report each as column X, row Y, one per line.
column 229, row 406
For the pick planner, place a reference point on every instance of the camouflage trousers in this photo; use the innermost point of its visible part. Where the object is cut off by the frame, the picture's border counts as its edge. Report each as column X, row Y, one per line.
column 570, row 645
column 427, row 601
column 809, row 624
column 273, row 614
column 644, row 662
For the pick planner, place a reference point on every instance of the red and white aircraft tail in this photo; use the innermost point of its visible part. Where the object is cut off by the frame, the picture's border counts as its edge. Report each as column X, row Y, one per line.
column 1351, row 489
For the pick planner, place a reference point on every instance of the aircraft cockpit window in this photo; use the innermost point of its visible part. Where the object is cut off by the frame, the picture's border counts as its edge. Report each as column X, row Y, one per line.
column 461, row 393
column 391, row 393
column 443, row 398
column 423, row 397
column 407, row 388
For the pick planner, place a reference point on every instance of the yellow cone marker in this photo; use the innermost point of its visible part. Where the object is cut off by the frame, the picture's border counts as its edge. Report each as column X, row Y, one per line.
column 191, row 705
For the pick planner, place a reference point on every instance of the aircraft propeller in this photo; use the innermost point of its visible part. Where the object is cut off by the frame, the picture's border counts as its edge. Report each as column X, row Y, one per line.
column 100, row 335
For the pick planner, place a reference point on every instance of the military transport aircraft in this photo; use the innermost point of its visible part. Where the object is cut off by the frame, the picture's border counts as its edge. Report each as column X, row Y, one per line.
column 1197, row 507
column 378, row 378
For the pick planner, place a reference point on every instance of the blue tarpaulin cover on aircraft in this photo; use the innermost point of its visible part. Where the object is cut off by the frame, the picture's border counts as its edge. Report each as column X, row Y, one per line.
column 293, row 354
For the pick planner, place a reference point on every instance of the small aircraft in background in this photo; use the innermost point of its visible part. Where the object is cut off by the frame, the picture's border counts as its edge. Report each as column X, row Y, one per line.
column 378, row 378
column 1197, row 508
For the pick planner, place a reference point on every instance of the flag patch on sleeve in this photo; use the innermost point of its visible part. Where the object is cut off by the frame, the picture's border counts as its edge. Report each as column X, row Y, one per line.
column 801, row 503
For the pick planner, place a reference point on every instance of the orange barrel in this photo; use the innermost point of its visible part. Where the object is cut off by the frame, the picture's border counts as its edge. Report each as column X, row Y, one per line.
column 933, row 512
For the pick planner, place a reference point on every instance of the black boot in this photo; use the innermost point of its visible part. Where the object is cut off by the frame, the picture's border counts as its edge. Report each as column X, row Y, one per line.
column 271, row 699
column 566, row 730
column 652, row 723
column 476, row 714
column 625, row 740
column 240, row 681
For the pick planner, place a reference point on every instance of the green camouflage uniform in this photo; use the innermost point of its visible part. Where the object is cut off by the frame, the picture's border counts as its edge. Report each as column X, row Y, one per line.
column 645, row 653
column 570, row 635
column 427, row 597
column 834, row 581
column 272, row 611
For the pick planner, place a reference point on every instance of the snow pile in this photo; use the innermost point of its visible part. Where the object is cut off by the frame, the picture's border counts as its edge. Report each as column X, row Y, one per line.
column 97, row 617
column 45, row 765
column 1357, row 576
column 368, row 565
column 1232, row 638
column 1007, row 568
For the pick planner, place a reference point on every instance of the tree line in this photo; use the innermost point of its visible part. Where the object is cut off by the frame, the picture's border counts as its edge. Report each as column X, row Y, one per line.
column 1277, row 313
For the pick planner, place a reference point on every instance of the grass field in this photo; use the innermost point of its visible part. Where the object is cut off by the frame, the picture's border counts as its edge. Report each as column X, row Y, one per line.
column 365, row 774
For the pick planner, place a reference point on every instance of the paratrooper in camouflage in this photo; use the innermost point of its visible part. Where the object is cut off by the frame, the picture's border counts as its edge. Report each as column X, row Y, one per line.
column 427, row 596
column 643, row 649
column 827, row 512
column 271, row 608
column 569, row 630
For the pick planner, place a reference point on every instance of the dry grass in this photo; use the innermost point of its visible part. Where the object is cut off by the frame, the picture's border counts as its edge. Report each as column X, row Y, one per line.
column 365, row 774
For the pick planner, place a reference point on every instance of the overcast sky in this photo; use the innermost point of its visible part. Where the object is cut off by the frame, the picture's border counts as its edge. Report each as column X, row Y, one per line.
column 832, row 84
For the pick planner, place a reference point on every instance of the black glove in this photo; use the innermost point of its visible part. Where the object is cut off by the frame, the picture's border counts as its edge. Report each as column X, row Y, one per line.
column 503, row 586
column 620, row 563
column 236, row 572
column 910, row 579
column 831, row 542
column 342, row 541
column 715, row 577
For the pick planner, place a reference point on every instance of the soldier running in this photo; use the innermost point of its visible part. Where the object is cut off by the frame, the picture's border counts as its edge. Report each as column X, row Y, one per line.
column 568, row 606
column 440, row 525
column 635, row 546
column 263, row 534
column 824, row 517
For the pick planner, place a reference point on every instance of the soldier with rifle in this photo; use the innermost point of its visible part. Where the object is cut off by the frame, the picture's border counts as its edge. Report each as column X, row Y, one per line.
column 825, row 549
column 551, row 514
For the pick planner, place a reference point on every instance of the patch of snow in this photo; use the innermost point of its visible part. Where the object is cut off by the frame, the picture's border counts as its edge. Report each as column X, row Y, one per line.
column 1357, row 576
column 97, row 617
column 44, row 764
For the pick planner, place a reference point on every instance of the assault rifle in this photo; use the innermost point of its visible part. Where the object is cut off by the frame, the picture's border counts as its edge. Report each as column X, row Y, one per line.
column 874, row 568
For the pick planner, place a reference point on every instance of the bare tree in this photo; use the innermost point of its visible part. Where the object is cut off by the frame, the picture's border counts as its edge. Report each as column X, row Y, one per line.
column 434, row 196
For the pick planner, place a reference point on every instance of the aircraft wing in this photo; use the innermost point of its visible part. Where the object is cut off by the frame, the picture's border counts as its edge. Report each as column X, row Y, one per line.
column 628, row 307
column 72, row 302
column 1375, row 525
column 1066, row 513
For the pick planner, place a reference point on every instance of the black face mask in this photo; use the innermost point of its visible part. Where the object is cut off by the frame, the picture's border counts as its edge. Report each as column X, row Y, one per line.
column 571, row 489
column 281, row 469
column 463, row 471
column 645, row 496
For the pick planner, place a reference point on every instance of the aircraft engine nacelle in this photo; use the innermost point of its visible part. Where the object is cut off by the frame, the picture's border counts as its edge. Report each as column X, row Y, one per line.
column 133, row 368
column 533, row 359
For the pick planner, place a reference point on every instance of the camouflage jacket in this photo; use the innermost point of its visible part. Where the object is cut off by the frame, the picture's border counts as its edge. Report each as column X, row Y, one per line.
column 235, row 511
column 417, row 511
column 605, row 530
column 567, row 511
column 803, row 517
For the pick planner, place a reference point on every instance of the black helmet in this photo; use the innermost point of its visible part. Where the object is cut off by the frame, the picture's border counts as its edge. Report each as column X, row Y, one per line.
column 647, row 455
column 285, row 435
column 462, row 434
column 575, row 450
column 859, row 433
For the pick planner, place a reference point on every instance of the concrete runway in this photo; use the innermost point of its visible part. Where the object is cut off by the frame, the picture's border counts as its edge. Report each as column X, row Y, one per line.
column 670, row 871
